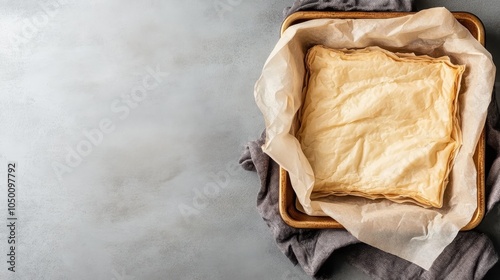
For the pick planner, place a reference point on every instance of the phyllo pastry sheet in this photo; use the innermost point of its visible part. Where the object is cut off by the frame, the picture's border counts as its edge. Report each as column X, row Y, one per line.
column 379, row 124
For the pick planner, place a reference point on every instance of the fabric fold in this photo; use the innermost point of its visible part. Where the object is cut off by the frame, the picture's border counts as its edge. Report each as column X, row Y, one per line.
column 350, row 5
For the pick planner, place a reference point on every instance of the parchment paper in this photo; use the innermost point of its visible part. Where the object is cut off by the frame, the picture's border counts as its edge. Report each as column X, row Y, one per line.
column 409, row 231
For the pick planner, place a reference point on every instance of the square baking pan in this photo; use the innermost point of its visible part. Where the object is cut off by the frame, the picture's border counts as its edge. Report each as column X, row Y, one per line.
column 287, row 197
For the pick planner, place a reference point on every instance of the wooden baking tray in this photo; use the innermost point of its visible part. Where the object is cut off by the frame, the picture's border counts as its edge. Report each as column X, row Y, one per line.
column 287, row 198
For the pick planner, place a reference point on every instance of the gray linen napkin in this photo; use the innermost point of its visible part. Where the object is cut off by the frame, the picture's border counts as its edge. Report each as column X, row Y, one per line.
column 492, row 155
column 469, row 256
column 350, row 5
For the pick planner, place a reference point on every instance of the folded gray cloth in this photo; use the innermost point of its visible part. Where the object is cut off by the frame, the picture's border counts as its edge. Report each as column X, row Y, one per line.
column 492, row 156
column 469, row 256
column 349, row 5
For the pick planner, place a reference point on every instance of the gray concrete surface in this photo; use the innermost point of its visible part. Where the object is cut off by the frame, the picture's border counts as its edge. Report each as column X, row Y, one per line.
column 126, row 119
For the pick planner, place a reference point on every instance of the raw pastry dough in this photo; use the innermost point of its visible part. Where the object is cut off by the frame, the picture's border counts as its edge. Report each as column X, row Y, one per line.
column 380, row 125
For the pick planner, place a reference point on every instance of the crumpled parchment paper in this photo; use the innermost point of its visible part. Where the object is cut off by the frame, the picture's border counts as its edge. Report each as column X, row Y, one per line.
column 409, row 231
